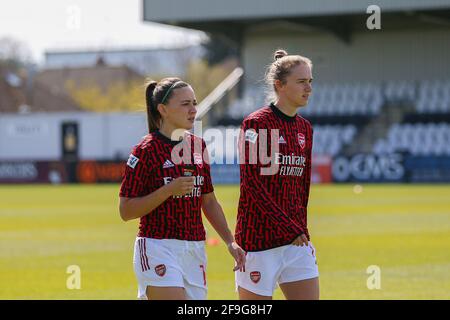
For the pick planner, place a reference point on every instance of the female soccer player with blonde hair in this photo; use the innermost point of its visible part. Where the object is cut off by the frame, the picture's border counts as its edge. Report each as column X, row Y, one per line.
column 272, row 214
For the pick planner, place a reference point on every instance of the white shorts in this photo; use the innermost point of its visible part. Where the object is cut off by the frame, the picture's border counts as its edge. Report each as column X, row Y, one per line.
column 264, row 269
column 171, row 263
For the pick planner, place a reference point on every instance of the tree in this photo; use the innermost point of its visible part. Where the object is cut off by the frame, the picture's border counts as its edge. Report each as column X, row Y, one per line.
column 14, row 54
column 118, row 97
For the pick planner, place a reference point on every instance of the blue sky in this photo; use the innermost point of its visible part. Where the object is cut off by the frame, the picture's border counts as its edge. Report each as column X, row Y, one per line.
column 85, row 24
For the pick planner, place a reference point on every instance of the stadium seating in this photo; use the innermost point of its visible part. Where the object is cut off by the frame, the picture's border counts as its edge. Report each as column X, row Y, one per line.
column 345, row 99
column 338, row 111
column 329, row 140
column 400, row 91
column 433, row 97
column 327, row 100
column 417, row 139
column 358, row 98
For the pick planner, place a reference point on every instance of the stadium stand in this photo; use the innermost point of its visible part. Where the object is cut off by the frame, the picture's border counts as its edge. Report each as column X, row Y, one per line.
column 359, row 99
column 329, row 139
column 433, row 97
column 345, row 99
column 400, row 91
column 417, row 139
column 429, row 96
column 339, row 111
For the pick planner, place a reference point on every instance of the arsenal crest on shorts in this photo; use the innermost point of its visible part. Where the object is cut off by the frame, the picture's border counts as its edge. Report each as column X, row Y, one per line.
column 255, row 276
column 160, row 270
column 301, row 140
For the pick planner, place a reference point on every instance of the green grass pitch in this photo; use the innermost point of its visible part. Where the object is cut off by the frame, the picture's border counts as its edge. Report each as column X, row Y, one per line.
column 403, row 229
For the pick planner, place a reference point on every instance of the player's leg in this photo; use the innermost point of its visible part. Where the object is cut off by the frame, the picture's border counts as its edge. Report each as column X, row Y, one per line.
column 299, row 279
column 248, row 295
column 301, row 290
column 165, row 293
column 195, row 292
column 194, row 265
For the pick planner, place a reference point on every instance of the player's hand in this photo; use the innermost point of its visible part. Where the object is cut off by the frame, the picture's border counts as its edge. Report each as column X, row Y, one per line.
column 238, row 255
column 301, row 240
column 182, row 185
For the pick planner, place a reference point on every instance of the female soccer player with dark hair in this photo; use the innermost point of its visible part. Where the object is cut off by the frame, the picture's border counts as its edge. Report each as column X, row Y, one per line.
column 272, row 223
column 168, row 194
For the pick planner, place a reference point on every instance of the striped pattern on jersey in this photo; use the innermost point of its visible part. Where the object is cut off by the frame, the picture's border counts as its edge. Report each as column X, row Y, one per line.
column 150, row 167
column 272, row 209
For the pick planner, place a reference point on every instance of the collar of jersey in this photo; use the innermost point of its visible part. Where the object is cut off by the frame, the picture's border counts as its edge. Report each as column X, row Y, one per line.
column 280, row 113
column 166, row 139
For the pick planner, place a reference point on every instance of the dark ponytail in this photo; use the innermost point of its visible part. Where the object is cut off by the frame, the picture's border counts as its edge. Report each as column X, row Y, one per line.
column 153, row 115
column 156, row 93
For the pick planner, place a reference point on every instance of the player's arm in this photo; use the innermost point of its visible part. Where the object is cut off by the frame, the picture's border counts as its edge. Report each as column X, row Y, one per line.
column 302, row 239
column 214, row 213
column 250, row 174
column 133, row 208
column 307, row 180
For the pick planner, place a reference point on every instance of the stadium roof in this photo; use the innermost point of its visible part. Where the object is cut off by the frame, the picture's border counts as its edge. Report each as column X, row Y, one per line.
column 179, row 12
column 342, row 18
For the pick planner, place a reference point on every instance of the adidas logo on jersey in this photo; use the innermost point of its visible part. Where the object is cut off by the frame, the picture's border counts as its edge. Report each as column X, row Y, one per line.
column 281, row 140
column 168, row 164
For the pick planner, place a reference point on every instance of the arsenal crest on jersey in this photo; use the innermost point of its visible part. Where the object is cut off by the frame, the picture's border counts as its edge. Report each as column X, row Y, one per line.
column 198, row 160
column 160, row 270
column 255, row 276
column 301, row 140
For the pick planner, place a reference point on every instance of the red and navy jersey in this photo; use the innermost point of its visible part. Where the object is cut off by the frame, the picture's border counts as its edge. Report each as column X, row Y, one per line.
column 151, row 165
column 275, row 179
